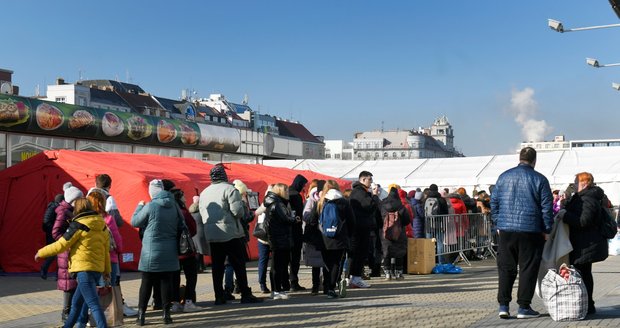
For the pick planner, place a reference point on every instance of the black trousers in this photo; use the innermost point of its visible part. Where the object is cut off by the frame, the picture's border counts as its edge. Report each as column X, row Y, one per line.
column 359, row 251
column 279, row 265
column 332, row 259
column 235, row 250
column 150, row 279
column 190, row 270
column 586, row 274
column 525, row 250
column 295, row 261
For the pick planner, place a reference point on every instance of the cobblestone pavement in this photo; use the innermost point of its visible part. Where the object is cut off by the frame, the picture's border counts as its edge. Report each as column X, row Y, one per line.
column 460, row 300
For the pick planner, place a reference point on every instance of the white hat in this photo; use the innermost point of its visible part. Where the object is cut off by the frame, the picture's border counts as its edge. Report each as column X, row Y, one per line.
column 72, row 193
column 155, row 187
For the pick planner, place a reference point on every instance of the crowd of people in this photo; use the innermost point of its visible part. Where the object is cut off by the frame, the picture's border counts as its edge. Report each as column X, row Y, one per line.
column 345, row 236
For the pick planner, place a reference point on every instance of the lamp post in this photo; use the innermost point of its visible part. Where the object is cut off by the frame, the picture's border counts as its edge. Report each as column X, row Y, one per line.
column 594, row 63
column 557, row 26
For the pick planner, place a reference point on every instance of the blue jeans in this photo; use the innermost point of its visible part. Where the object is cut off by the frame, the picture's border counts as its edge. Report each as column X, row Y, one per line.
column 83, row 318
column 86, row 292
column 263, row 262
column 228, row 277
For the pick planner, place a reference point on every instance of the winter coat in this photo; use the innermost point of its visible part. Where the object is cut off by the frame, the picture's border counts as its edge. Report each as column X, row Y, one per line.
column 522, row 201
column 278, row 220
column 461, row 221
column 418, row 219
column 202, row 246
column 365, row 208
column 118, row 240
column 48, row 221
column 188, row 219
column 221, row 209
column 310, row 217
column 342, row 240
column 470, row 204
column 583, row 216
column 296, row 201
column 403, row 199
column 443, row 207
column 161, row 222
column 64, row 213
column 87, row 241
column 110, row 205
column 393, row 204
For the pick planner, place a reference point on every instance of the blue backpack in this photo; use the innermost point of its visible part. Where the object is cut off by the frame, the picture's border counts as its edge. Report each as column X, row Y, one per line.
column 329, row 222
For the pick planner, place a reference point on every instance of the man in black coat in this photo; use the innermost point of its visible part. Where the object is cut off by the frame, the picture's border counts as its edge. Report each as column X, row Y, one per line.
column 366, row 209
column 296, row 201
column 48, row 223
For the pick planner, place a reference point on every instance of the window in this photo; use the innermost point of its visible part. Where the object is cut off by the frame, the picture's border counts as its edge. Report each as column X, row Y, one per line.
column 337, row 156
column 385, row 154
column 394, row 155
column 82, row 101
column 61, row 99
column 403, row 154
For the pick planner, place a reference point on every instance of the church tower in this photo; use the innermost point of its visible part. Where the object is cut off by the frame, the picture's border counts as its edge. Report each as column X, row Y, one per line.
column 442, row 131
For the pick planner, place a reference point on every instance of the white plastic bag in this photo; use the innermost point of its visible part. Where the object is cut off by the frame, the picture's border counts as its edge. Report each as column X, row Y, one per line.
column 614, row 245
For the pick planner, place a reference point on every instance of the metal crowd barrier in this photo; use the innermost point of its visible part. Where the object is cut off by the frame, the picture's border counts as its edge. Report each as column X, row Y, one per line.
column 460, row 233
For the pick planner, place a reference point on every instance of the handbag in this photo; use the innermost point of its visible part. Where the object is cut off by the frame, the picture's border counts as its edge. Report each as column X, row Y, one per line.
column 111, row 303
column 186, row 243
column 259, row 231
column 608, row 227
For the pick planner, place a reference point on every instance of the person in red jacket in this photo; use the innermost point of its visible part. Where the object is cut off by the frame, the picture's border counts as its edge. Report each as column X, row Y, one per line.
column 461, row 220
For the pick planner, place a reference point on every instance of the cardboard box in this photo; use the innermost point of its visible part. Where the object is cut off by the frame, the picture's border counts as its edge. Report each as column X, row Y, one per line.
column 420, row 256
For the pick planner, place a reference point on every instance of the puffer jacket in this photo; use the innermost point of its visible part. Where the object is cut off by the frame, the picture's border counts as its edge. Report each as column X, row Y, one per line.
column 64, row 213
column 202, row 246
column 312, row 234
column 342, row 240
column 88, row 242
column 221, row 209
column 118, row 240
column 583, row 216
column 418, row 219
column 461, row 221
column 161, row 222
column 403, row 199
column 522, row 201
column 278, row 220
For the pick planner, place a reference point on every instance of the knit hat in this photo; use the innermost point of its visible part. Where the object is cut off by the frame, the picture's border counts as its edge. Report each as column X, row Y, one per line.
column 411, row 194
column 155, row 187
column 433, row 187
column 419, row 195
column 59, row 198
column 239, row 185
column 218, row 173
column 195, row 199
column 71, row 193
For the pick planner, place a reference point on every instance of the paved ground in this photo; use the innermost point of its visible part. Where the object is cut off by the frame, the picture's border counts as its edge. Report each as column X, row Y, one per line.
column 461, row 300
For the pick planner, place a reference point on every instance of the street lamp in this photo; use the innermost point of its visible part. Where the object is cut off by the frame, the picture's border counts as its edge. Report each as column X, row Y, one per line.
column 557, row 26
column 594, row 63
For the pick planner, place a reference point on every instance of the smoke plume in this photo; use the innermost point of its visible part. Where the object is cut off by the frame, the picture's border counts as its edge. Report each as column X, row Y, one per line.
column 525, row 108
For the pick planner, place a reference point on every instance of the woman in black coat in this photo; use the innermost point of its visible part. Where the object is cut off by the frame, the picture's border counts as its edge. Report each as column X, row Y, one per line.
column 279, row 221
column 583, row 215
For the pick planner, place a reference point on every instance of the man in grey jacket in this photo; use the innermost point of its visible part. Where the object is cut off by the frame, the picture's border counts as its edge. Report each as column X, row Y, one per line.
column 221, row 209
column 522, row 210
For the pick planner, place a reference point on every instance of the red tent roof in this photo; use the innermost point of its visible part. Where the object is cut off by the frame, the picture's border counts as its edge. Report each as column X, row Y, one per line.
column 27, row 188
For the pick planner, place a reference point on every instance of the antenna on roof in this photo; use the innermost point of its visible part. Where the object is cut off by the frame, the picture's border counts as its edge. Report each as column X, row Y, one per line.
column 382, row 125
column 245, row 99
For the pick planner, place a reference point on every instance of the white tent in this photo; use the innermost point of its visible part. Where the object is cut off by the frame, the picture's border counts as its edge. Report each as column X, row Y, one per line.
column 475, row 173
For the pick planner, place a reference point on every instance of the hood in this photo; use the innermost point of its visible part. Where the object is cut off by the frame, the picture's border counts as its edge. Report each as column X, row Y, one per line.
column 433, row 194
column 594, row 192
column 164, row 199
column 272, row 198
column 392, row 202
column 92, row 220
column 358, row 184
column 298, row 183
column 333, row 194
column 402, row 194
column 314, row 194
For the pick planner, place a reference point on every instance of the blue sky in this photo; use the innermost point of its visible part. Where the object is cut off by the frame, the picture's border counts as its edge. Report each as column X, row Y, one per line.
column 339, row 67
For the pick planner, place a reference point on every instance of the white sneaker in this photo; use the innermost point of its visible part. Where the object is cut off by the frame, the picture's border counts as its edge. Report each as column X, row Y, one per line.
column 129, row 312
column 280, row 296
column 358, row 282
column 191, row 307
column 176, row 307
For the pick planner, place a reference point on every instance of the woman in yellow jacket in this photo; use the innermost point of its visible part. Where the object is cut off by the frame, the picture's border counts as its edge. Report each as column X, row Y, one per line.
column 89, row 243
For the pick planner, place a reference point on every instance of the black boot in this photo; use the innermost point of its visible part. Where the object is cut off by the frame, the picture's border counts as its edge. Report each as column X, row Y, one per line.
column 296, row 287
column 141, row 318
column 247, row 297
column 65, row 314
column 166, row 316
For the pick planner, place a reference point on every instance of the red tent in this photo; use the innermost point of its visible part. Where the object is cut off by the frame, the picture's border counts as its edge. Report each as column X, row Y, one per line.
column 27, row 188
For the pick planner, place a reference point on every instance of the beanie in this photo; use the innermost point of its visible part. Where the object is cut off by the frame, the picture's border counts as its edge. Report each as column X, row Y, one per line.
column 195, row 199
column 59, row 198
column 419, row 195
column 433, row 187
column 72, row 193
column 155, row 187
column 411, row 194
column 218, row 173
column 67, row 185
column 239, row 185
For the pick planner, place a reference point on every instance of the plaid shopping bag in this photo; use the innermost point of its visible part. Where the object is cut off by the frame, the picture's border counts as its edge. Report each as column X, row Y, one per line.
column 565, row 300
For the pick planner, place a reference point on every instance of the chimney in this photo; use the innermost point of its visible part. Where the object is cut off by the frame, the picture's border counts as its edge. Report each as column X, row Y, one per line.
column 60, row 81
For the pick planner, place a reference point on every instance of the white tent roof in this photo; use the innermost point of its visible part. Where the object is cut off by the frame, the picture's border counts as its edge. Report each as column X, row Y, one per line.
column 475, row 173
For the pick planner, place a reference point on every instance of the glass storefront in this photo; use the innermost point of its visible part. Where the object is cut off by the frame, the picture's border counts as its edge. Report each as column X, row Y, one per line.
column 23, row 147
column 96, row 146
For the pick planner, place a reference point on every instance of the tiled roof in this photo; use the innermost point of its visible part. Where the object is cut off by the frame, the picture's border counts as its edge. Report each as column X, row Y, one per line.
column 169, row 104
column 139, row 102
column 118, row 86
column 295, row 130
column 107, row 97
